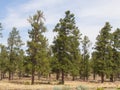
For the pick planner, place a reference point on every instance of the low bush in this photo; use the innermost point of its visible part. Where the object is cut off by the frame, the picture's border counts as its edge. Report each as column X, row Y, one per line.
column 57, row 88
column 61, row 88
column 100, row 88
column 82, row 88
column 27, row 83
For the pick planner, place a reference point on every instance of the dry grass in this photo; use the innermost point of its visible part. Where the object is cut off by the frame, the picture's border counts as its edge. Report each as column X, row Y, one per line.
column 94, row 85
column 6, row 85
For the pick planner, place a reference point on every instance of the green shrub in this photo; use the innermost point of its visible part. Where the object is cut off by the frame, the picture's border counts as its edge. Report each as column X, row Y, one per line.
column 100, row 88
column 61, row 88
column 57, row 88
column 27, row 83
column 81, row 88
column 118, row 88
column 65, row 88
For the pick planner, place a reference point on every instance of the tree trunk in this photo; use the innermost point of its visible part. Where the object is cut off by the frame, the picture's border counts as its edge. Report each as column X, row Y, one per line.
column 57, row 75
column 9, row 75
column 49, row 76
column 83, row 78
column 1, row 76
column 102, row 77
column 38, row 75
column 33, row 75
column 62, row 82
column 73, row 78
column 111, row 78
column 94, row 76
column 80, row 76
column 87, row 78
column 12, row 75
column 20, row 75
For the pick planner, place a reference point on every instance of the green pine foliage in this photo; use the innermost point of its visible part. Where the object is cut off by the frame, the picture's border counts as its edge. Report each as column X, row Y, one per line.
column 3, row 61
column 115, row 66
column 37, row 46
column 14, row 45
column 85, row 62
column 66, row 45
column 103, row 51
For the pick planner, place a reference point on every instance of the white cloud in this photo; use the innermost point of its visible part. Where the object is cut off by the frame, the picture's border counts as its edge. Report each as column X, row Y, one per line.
column 90, row 15
column 38, row 4
column 14, row 19
column 17, row 16
column 103, row 9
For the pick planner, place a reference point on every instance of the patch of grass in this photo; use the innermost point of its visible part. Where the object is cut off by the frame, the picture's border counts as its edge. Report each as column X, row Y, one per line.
column 82, row 88
column 26, row 83
column 66, row 88
column 118, row 88
column 57, row 88
column 61, row 88
column 100, row 88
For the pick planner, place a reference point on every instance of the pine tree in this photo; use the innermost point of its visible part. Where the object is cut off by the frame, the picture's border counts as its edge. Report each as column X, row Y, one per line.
column 85, row 58
column 65, row 51
column 115, row 54
column 20, row 62
column 14, row 44
column 103, row 50
column 3, row 61
column 94, row 64
column 75, row 55
column 37, row 47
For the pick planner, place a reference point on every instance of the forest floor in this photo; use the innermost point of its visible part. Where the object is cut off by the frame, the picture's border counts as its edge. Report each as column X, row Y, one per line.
column 71, row 85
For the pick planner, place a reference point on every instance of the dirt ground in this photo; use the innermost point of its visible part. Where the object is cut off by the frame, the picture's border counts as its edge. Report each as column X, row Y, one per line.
column 6, row 85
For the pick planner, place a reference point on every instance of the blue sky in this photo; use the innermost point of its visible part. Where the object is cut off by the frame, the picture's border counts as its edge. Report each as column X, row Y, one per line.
column 90, row 15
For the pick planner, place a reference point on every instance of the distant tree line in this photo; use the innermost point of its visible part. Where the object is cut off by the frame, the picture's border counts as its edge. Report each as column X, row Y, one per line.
column 68, row 55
